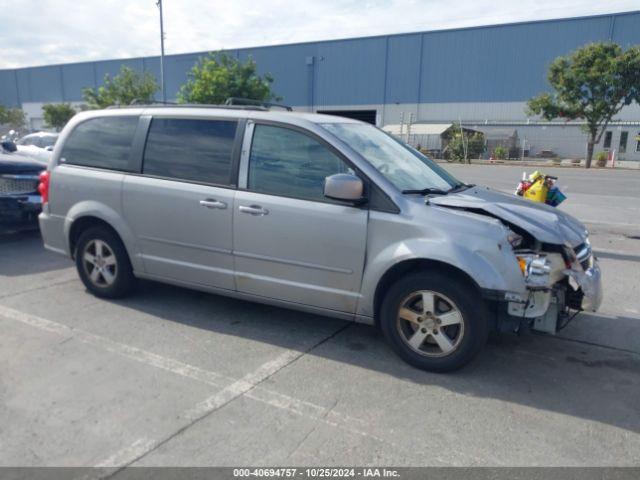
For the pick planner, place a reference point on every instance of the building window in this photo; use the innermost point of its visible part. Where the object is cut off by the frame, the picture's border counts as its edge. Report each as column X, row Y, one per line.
column 624, row 136
column 607, row 139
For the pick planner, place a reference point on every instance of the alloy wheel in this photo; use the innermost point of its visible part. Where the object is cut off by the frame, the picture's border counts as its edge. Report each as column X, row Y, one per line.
column 430, row 323
column 100, row 263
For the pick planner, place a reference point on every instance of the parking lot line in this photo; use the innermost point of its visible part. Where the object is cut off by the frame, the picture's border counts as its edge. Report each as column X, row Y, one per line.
column 137, row 354
column 248, row 386
column 122, row 457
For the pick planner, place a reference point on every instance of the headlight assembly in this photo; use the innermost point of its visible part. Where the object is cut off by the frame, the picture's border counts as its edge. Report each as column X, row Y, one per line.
column 535, row 268
column 514, row 239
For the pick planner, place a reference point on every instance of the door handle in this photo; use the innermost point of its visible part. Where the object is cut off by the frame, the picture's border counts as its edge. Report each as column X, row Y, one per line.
column 253, row 210
column 213, row 203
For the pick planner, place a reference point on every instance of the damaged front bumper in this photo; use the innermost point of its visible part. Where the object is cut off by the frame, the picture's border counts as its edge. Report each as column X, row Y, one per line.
column 589, row 282
column 546, row 308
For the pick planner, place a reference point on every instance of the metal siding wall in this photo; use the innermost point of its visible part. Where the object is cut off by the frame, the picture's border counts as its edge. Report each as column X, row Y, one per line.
column 500, row 64
column 152, row 65
column 24, row 85
column 76, row 77
column 40, row 84
column 350, row 72
column 176, row 68
column 288, row 66
column 486, row 64
column 8, row 89
column 626, row 29
column 403, row 69
column 112, row 68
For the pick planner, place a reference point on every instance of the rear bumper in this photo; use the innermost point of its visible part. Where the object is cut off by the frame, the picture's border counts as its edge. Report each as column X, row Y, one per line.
column 52, row 231
column 19, row 212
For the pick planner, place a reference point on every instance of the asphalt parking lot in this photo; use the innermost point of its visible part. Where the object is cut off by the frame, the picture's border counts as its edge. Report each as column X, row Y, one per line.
column 172, row 377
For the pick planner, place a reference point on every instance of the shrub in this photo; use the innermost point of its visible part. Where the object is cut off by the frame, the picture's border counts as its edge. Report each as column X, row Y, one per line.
column 500, row 152
column 56, row 115
column 218, row 76
column 123, row 89
column 601, row 159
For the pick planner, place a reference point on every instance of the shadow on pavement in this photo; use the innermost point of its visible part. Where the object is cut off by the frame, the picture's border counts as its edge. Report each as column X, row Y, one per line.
column 565, row 375
column 22, row 254
column 555, row 374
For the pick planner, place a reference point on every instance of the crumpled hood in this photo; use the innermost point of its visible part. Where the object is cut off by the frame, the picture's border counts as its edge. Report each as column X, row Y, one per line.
column 545, row 223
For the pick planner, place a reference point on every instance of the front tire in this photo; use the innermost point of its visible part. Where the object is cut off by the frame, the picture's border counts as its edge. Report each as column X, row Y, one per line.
column 434, row 322
column 103, row 263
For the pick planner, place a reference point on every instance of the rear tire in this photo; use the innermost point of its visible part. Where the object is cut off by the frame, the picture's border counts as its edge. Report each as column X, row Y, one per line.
column 103, row 263
column 434, row 322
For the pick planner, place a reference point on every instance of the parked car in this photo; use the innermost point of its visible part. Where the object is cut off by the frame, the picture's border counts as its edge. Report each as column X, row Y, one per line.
column 311, row 212
column 20, row 202
column 37, row 146
column 39, row 139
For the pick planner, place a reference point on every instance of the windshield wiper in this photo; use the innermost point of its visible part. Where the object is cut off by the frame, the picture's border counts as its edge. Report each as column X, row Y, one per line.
column 427, row 191
column 459, row 187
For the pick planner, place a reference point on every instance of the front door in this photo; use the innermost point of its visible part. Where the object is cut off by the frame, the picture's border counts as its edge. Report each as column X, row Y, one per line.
column 290, row 242
column 180, row 208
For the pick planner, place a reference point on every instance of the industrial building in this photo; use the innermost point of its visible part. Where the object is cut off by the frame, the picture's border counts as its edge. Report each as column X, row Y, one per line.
column 480, row 76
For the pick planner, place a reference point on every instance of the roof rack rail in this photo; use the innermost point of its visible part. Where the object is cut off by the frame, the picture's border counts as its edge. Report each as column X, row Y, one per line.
column 188, row 105
column 238, row 101
column 137, row 102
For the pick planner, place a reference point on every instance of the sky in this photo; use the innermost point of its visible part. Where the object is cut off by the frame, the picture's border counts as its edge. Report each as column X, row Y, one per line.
column 41, row 32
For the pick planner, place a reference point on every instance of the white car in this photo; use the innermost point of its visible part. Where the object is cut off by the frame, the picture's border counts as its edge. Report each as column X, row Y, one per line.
column 37, row 146
column 44, row 140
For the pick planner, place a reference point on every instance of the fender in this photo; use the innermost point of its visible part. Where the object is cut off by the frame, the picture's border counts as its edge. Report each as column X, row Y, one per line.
column 91, row 208
column 491, row 266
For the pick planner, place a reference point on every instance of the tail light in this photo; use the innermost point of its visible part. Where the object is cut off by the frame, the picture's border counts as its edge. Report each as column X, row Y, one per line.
column 43, row 187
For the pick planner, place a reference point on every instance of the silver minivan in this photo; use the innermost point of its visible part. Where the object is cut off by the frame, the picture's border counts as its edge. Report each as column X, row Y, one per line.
column 312, row 212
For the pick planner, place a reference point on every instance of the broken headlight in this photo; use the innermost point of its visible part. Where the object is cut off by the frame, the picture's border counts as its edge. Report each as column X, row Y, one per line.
column 514, row 239
column 535, row 268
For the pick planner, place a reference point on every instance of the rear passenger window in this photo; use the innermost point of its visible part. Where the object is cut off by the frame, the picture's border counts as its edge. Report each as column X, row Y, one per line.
column 101, row 142
column 186, row 149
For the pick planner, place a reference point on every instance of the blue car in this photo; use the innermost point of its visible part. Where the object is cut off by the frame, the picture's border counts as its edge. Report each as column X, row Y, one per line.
column 20, row 202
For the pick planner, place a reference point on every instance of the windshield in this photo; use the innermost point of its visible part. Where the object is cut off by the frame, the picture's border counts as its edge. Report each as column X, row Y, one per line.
column 403, row 166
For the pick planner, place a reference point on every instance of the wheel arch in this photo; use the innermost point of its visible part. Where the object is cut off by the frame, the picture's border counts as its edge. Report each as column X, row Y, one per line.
column 405, row 267
column 83, row 223
column 86, row 214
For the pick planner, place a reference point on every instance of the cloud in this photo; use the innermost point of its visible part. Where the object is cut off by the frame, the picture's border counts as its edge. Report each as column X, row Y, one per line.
column 40, row 32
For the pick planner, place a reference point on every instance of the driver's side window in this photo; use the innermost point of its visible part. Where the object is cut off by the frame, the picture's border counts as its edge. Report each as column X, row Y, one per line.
column 289, row 163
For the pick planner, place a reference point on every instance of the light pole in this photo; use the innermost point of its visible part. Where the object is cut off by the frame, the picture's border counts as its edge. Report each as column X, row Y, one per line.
column 164, row 92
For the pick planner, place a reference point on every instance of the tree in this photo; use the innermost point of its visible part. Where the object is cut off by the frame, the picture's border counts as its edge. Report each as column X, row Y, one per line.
column 123, row 89
column 218, row 76
column 463, row 147
column 591, row 84
column 56, row 115
column 13, row 117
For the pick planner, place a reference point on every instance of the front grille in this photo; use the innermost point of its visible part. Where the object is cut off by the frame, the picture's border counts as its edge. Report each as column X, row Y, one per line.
column 17, row 186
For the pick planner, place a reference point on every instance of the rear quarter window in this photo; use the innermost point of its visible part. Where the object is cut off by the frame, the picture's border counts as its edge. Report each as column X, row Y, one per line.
column 101, row 143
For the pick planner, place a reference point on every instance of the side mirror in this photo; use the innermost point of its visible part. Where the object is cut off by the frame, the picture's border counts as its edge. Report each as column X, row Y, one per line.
column 343, row 186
